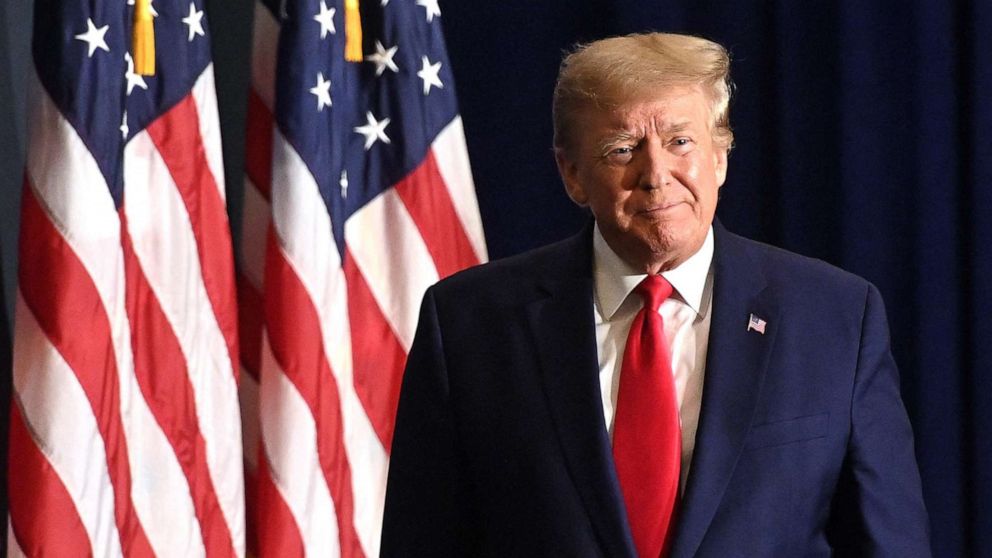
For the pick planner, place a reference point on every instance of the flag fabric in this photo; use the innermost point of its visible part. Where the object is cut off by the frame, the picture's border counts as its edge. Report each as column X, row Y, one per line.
column 125, row 434
column 358, row 197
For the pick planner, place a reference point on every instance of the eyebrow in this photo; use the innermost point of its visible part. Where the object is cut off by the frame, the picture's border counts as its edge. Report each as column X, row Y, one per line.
column 626, row 135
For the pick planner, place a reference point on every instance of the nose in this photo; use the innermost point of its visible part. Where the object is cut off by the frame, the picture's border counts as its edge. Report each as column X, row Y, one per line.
column 656, row 166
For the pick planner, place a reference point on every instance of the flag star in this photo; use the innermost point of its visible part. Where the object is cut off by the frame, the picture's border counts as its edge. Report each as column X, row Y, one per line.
column 344, row 184
column 383, row 58
column 429, row 73
column 94, row 37
column 374, row 131
column 132, row 78
column 195, row 22
column 322, row 91
column 124, row 128
column 432, row 9
column 326, row 20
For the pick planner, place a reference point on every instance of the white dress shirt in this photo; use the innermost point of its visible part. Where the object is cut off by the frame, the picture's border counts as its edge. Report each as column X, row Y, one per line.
column 686, row 315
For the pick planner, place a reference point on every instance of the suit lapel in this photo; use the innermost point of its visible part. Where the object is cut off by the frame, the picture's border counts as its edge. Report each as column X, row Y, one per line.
column 735, row 369
column 562, row 324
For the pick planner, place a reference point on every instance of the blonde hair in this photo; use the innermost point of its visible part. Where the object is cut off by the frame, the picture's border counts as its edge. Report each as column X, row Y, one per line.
column 607, row 72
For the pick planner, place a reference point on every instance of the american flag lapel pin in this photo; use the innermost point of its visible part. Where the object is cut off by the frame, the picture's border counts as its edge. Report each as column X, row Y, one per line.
column 755, row 323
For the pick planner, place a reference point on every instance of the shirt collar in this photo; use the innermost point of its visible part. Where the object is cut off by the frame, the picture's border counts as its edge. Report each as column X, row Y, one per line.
column 614, row 278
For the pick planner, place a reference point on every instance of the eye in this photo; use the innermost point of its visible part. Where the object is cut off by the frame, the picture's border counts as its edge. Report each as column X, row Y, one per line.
column 681, row 144
column 620, row 154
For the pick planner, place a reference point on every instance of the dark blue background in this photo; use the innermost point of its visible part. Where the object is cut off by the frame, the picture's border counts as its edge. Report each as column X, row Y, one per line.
column 862, row 134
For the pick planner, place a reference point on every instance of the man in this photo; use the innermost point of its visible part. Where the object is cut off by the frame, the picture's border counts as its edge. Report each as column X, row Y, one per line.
column 655, row 385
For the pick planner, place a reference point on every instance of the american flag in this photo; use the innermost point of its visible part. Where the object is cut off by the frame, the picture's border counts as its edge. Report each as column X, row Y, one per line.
column 358, row 197
column 125, row 435
column 756, row 324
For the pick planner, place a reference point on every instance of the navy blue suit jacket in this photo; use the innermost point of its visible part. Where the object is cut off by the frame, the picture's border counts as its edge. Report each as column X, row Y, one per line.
column 803, row 448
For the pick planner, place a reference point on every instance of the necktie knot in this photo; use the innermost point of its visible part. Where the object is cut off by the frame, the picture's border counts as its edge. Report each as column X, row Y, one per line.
column 654, row 289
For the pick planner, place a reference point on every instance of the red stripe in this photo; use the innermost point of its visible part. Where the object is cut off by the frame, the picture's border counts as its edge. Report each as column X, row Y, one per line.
column 377, row 356
column 252, row 320
column 61, row 295
column 252, row 519
column 43, row 515
column 177, row 136
column 258, row 145
column 278, row 534
column 295, row 332
column 429, row 203
column 160, row 367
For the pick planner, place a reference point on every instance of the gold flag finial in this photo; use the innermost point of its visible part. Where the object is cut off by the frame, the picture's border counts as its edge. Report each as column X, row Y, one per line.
column 144, row 38
column 352, row 32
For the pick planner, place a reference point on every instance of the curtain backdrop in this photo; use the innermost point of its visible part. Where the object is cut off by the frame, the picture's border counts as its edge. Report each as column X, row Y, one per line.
column 862, row 138
column 862, row 133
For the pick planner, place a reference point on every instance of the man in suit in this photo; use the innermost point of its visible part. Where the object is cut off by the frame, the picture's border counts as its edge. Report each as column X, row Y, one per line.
column 654, row 385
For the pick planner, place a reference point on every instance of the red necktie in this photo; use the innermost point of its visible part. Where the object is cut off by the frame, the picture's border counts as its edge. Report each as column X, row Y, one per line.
column 647, row 437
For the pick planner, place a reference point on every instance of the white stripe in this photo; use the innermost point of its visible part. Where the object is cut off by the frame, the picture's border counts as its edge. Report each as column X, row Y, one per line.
column 290, row 442
column 453, row 164
column 205, row 97
column 59, row 415
column 368, row 459
column 70, row 186
column 255, row 220
column 250, row 433
column 165, row 246
column 393, row 258
column 13, row 549
column 304, row 229
column 263, row 55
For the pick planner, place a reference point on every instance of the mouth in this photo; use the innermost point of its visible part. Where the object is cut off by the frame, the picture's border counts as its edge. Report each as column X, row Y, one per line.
column 660, row 209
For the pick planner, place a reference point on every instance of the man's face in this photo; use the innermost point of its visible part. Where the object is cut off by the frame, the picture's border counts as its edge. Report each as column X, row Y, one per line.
column 650, row 172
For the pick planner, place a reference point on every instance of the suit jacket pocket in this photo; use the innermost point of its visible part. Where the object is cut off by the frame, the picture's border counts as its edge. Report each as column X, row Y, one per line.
column 787, row 431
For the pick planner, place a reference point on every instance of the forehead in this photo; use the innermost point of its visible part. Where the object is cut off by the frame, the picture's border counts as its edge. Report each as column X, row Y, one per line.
column 657, row 109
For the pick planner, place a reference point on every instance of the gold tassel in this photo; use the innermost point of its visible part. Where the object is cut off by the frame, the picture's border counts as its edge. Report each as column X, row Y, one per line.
column 144, row 38
column 352, row 32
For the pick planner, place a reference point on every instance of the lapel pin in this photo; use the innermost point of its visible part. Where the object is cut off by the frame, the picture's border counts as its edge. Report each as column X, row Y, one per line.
column 756, row 324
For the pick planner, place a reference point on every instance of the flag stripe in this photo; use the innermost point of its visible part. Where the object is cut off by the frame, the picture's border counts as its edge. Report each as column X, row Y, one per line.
column 305, row 228
column 278, row 534
column 59, row 292
column 160, row 367
column 293, row 485
column 252, row 321
column 13, row 549
column 258, row 151
column 426, row 198
column 65, row 431
column 341, row 312
column 399, row 275
column 43, row 515
column 204, row 101
column 182, row 148
column 378, row 357
column 367, row 456
column 175, row 300
column 255, row 220
column 295, row 333
column 452, row 162
column 91, row 227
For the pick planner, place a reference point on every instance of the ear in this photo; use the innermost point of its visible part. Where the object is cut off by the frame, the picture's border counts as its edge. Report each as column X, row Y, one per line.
column 720, row 153
column 569, row 172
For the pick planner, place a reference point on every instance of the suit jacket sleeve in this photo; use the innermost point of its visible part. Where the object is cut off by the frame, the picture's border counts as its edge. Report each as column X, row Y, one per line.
column 423, row 515
column 880, row 509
